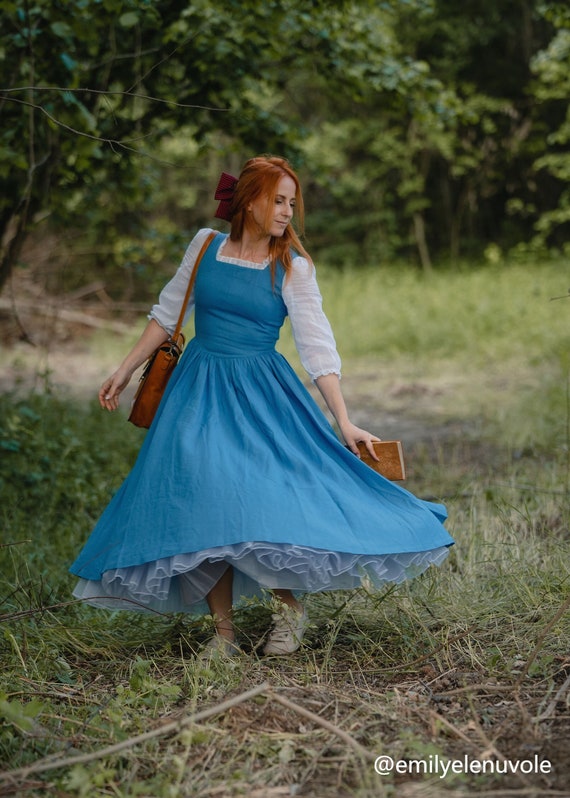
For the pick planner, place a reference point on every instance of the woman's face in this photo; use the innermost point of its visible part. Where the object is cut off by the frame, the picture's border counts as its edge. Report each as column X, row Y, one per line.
column 281, row 211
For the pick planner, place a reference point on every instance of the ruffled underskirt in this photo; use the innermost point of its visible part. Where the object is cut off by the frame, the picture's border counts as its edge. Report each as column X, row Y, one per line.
column 180, row 583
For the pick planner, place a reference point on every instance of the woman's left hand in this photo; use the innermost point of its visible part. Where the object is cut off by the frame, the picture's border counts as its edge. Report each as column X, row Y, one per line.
column 353, row 435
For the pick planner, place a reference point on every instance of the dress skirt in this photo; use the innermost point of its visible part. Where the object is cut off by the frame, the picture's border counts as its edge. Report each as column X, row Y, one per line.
column 240, row 467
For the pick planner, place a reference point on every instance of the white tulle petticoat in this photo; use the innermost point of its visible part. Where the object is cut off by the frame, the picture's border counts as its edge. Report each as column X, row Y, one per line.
column 180, row 583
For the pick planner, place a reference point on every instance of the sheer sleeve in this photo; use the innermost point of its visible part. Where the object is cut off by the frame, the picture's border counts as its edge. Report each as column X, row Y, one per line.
column 312, row 332
column 166, row 310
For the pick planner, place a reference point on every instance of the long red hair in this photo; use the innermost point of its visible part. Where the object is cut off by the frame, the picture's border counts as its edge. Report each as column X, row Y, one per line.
column 260, row 177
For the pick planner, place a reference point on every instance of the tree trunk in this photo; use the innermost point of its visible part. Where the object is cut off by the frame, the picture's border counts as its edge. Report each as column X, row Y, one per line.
column 421, row 243
column 11, row 244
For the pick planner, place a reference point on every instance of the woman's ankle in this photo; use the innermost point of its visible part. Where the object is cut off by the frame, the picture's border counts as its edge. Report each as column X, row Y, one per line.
column 226, row 630
column 286, row 597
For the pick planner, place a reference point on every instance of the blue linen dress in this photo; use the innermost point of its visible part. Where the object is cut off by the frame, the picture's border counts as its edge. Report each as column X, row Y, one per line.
column 240, row 467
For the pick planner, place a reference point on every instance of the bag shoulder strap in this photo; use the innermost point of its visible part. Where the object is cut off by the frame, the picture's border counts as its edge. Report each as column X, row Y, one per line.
column 191, row 282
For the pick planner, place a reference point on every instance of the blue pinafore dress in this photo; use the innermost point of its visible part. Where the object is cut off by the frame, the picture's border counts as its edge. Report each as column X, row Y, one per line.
column 241, row 468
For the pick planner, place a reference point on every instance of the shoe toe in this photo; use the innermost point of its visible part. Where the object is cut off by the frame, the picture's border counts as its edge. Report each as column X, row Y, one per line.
column 218, row 647
column 287, row 633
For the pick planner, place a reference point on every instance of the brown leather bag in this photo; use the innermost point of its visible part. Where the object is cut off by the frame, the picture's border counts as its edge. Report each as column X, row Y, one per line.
column 161, row 363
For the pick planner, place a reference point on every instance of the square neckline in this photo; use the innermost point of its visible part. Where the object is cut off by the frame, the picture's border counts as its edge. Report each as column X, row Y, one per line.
column 246, row 264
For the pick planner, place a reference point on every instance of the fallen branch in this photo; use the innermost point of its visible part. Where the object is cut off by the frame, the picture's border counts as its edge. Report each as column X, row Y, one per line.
column 49, row 763
column 306, row 713
column 73, row 316
column 56, row 763
column 17, row 616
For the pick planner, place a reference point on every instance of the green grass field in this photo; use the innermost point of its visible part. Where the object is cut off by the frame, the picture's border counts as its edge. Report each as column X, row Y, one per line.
column 468, row 663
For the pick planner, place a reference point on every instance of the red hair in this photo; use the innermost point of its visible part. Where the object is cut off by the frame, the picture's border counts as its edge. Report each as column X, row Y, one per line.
column 259, row 177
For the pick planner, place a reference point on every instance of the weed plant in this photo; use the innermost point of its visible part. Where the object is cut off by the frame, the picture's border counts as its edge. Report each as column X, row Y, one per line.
column 468, row 660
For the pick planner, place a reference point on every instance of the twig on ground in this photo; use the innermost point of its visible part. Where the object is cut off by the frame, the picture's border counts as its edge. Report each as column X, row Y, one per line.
column 448, row 725
column 172, row 727
column 490, row 745
column 549, row 711
column 16, row 616
column 50, row 763
column 306, row 713
column 540, row 641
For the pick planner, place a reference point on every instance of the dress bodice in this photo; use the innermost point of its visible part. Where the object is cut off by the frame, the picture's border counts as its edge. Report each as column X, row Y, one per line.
column 237, row 309
column 297, row 297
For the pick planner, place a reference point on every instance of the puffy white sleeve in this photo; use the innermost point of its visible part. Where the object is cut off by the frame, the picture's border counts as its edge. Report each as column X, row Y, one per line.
column 167, row 309
column 312, row 332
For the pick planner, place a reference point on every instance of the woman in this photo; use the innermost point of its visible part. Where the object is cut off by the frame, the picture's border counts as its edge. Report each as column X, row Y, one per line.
column 241, row 485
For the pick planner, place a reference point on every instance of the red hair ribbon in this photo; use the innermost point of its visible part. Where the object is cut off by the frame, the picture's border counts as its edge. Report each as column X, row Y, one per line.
column 225, row 193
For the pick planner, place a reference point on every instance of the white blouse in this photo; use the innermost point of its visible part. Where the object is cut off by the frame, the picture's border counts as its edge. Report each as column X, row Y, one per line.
column 312, row 332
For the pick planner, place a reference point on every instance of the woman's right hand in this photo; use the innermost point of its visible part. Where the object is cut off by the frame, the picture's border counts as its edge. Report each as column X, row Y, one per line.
column 112, row 388
column 152, row 337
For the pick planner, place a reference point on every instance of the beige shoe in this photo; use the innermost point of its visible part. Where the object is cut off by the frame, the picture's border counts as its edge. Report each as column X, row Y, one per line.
column 289, row 626
column 218, row 647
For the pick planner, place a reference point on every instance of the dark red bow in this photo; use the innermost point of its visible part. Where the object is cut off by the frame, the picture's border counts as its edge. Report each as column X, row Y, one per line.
column 225, row 193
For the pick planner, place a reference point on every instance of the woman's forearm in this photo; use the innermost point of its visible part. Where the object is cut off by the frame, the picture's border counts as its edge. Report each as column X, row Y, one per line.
column 152, row 337
column 329, row 386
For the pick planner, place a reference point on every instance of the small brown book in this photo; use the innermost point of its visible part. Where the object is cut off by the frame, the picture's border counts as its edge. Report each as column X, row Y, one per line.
column 390, row 461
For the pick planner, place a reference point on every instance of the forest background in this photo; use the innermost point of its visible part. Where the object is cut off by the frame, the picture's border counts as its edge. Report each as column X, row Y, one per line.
column 431, row 137
column 425, row 130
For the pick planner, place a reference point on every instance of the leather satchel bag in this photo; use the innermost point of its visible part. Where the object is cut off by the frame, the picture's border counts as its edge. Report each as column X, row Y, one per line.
column 161, row 363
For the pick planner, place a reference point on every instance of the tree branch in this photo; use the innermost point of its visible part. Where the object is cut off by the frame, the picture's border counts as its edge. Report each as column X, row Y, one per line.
column 110, row 93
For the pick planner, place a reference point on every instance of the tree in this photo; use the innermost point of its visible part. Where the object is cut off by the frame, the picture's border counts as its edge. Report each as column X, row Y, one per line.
column 551, row 90
column 437, row 159
column 422, row 123
column 86, row 94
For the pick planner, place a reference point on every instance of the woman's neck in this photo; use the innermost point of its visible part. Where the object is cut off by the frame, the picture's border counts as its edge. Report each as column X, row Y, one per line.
column 249, row 247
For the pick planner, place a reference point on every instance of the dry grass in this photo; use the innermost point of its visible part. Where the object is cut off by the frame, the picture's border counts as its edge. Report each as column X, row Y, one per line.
column 471, row 659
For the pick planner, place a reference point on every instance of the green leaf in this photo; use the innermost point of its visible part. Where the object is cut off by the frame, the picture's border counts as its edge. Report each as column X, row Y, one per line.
column 20, row 715
column 129, row 19
column 61, row 29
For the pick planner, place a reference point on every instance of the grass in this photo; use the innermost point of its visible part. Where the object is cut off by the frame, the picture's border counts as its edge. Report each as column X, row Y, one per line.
column 470, row 659
column 495, row 335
